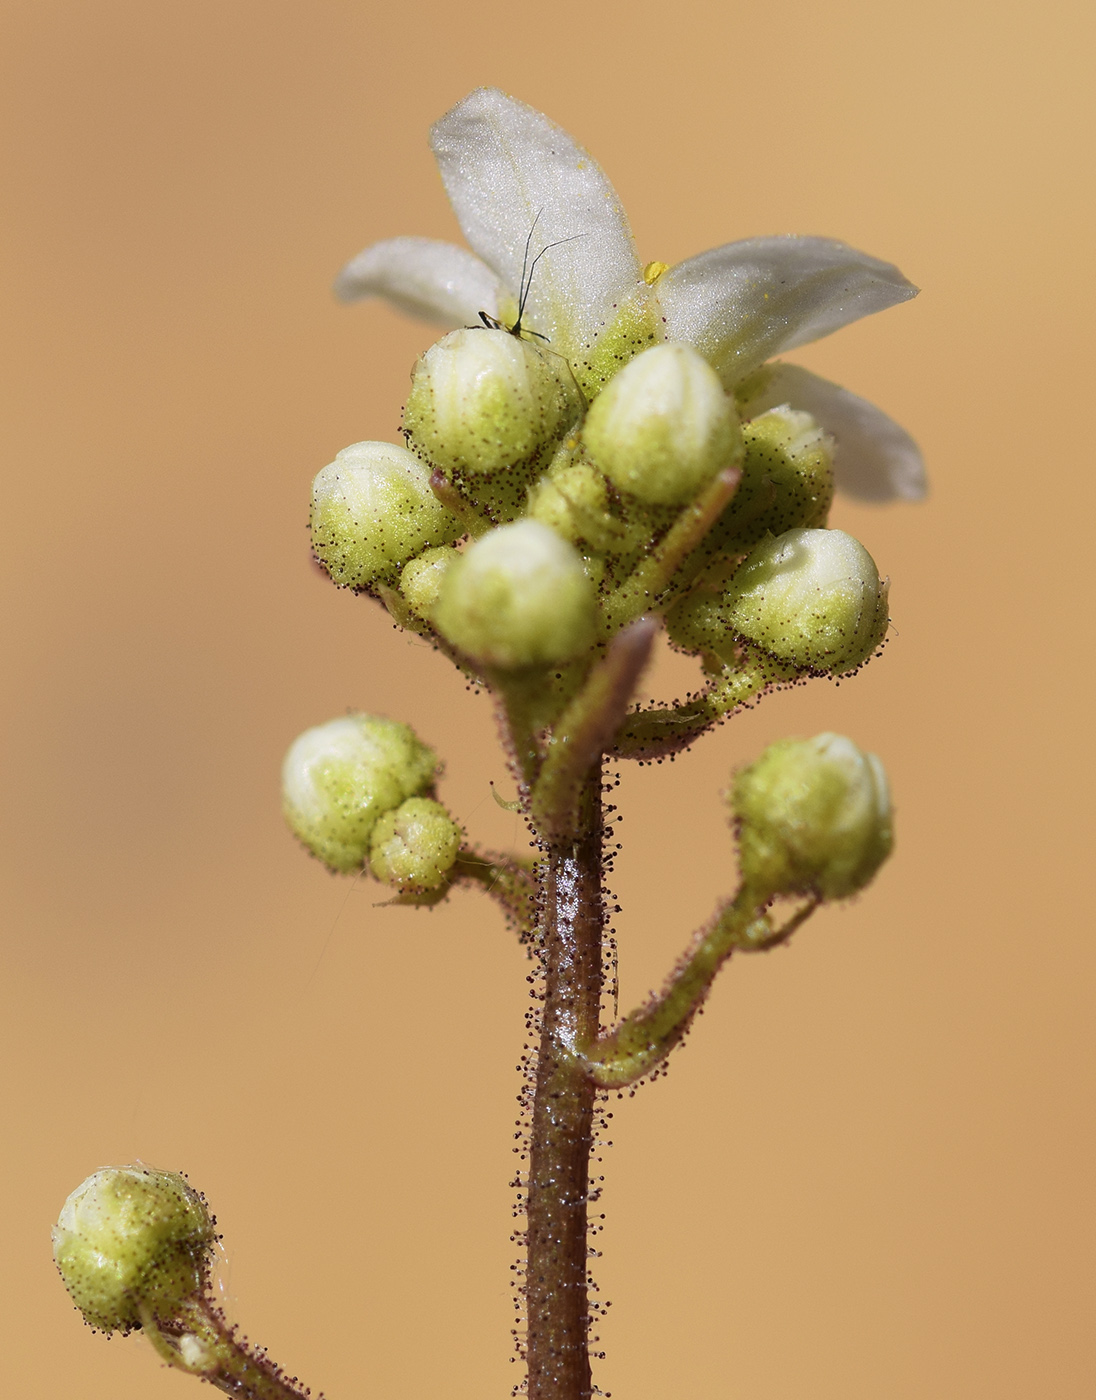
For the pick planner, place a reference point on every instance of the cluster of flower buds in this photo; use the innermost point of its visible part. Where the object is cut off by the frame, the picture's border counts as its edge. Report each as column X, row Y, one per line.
column 357, row 791
column 517, row 528
column 559, row 501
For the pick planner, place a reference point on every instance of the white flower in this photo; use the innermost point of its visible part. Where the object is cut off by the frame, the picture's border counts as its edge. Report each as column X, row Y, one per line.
column 510, row 172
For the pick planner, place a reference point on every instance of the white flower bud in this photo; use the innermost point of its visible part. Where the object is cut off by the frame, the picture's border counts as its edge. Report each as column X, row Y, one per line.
column 813, row 816
column 663, row 426
column 812, row 598
column 372, row 511
column 482, row 400
column 133, row 1237
column 518, row 597
column 340, row 777
column 414, row 847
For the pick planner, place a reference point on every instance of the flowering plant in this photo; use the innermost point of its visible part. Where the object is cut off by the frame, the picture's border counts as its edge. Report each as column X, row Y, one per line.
column 595, row 453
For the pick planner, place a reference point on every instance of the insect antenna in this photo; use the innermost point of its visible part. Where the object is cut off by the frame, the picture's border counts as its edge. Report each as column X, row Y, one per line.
column 527, row 270
column 525, row 284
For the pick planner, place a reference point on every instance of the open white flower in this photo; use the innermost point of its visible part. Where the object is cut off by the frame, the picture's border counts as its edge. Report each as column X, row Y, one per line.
column 507, row 168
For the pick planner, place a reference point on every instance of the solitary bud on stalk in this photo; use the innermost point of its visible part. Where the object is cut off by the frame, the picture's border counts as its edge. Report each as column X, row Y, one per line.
column 415, row 846
column 813, row 817
column 132, row 1238
column 340, row 777
column 372, row 511
column 812, row 598
column 482, row 400
column 663, row 426
column 518, row 597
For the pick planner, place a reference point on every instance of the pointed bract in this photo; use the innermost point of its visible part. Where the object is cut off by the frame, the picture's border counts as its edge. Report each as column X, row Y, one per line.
column 874, row 458
column 745, row 302
column 507, row 167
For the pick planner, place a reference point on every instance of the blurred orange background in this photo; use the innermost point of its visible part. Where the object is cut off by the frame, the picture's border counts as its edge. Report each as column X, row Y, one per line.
column 870, row 1171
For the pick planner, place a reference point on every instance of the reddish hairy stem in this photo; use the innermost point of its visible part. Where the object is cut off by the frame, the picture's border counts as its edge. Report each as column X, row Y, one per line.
column 556, row 1284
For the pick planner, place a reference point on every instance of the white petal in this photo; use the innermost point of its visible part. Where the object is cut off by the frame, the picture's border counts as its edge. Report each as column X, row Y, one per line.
column 874, row 459
column 506, row 167
column 745, row 302
column 425, row 277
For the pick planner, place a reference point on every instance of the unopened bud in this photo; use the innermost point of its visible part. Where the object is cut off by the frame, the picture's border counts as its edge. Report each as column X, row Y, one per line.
column 812, row 598
column 340, row 777
column 787, row 481
column 518, row 597
column 482, row 400
column 420, row 582
column 372, row 511
column 813, row 817
column 132, row 1238
column 414, row 847
column 663, row 426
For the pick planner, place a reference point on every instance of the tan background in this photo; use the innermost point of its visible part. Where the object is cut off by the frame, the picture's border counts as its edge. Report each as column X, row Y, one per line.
column 869, row 1174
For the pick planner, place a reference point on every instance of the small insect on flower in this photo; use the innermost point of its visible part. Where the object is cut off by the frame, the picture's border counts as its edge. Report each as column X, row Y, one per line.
column 492, row 323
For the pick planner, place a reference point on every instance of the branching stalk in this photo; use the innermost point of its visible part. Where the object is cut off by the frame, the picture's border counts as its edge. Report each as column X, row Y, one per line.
column 643, row 1039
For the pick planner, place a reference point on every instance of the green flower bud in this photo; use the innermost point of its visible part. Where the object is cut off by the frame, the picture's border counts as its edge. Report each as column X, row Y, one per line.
column 415, row 846
column 340, row 777
column 372, row 511
column 482, row 400
column 787, row 482
column 518, row 597
column 813, row 817
column 420, row 582
column 812, row 598
column 663, row 426
column 572, row 498
column 132, row 1238
column 699, row 623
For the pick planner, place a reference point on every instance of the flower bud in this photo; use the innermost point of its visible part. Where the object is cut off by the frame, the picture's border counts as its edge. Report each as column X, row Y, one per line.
column 663, row 427
column 372, row 511
column 482, row 400
column 812, row 598
column 813, row 817
column 415, row 846
column 518, row 597
column 340, row 777
column 787, row 481
column 572, row 498
column 420, row 582
column 132, row 1238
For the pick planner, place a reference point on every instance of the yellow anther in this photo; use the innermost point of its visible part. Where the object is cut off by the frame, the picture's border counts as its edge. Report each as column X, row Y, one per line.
column 653, row 271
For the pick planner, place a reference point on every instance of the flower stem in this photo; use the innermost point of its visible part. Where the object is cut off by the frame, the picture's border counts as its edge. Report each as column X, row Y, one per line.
column 639, row 1043
column 556, row 1281
column 200, row 1341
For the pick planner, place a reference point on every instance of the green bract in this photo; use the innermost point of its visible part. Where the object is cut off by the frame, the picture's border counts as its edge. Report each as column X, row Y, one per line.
column 482, row 400
column 414, row 847
column 663, row 426
column 813, row 817
column 132, row 1237
column 372, row 511
column 518, row 597
column 812, row 598
column 340, row 777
